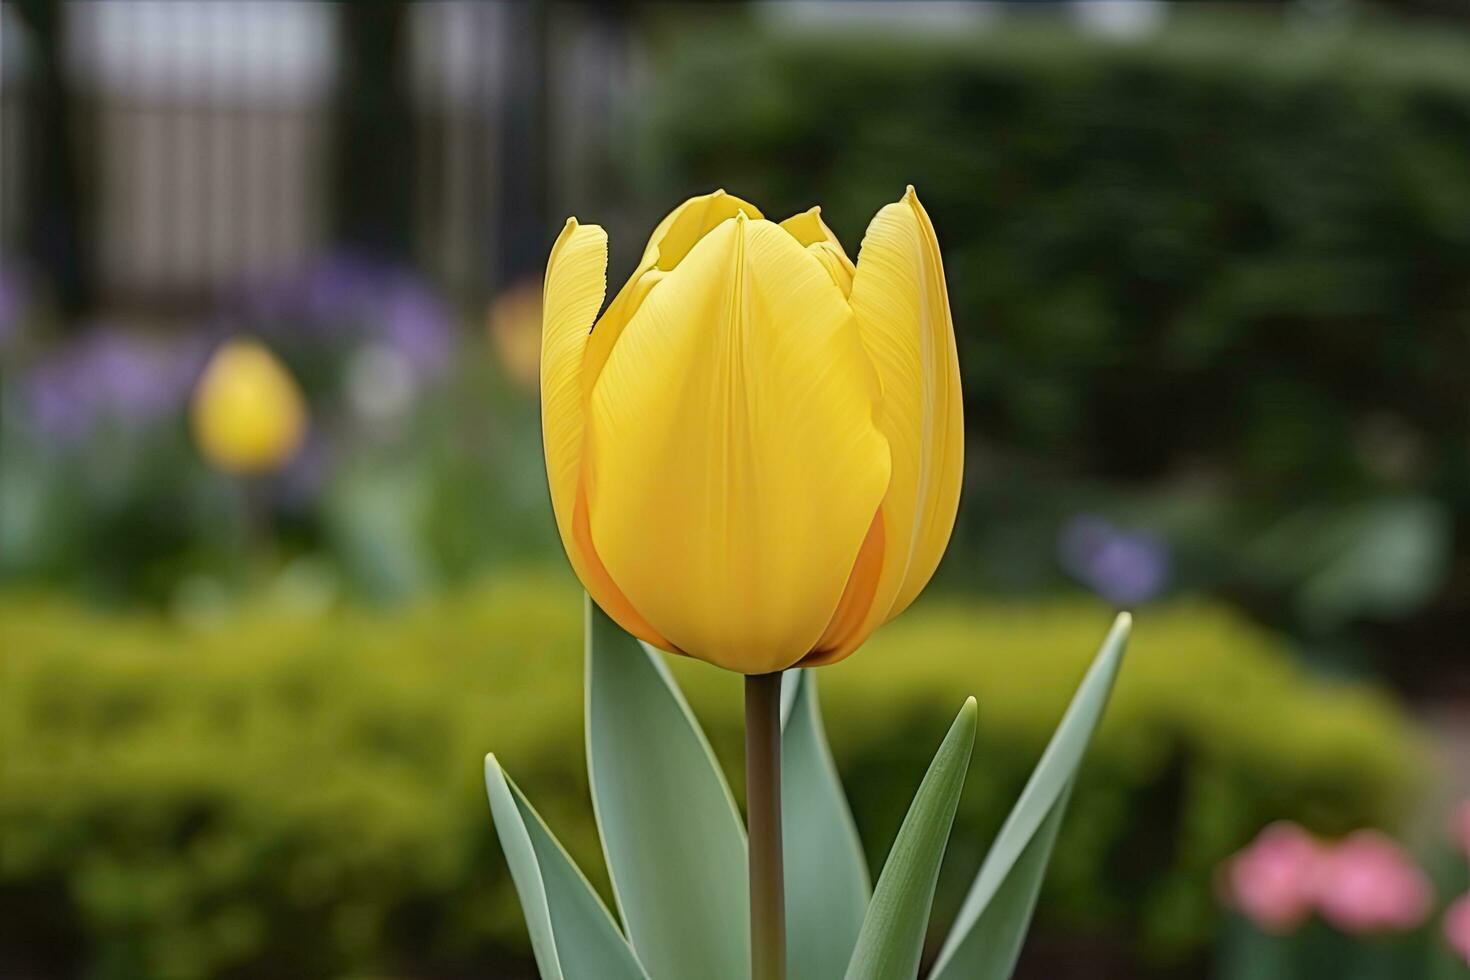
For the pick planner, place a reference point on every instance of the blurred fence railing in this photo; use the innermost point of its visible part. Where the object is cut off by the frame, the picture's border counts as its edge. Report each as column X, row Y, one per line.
column 207, row 126
column 157, row 152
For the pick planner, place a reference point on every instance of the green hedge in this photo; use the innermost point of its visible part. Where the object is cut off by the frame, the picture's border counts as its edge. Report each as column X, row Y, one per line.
column 1231, row 261
column 278, row 794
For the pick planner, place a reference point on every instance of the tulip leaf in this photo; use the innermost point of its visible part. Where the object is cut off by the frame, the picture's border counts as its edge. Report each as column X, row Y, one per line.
column 987, row 935
column 572, row 934
column 892, row 936
column 674, row 841
column 1247, row 953
column 827, row 883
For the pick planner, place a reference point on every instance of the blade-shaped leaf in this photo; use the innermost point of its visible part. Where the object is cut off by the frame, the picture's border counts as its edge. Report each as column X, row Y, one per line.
column 827, row 883
column 572, row 934
column 987, row 934
column 994, row 943
column 674, row 841
column 892, row 936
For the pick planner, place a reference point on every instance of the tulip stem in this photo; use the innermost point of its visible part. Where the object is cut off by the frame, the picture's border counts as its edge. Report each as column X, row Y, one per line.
column 763, row 817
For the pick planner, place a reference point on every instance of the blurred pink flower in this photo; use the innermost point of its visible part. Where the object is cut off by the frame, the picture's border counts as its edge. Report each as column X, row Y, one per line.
column 1271, row 881
column 1367, row 883
column 1457, row 926
column 1462, row 827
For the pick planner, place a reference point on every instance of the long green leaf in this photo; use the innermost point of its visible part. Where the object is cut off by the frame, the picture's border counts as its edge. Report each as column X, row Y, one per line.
column 572, row 934
column 892, row 936
column 827, row 883
column 994, row 942
column 674, row 841
column 987, row 936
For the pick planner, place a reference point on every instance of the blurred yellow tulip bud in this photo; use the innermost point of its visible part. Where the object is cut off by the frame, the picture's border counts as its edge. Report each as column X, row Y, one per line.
column 515, row 332
column 248, row 414
column 755, row 454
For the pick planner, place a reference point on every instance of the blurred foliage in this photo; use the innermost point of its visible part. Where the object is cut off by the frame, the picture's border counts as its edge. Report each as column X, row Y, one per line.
column 1319, row 952
column 1212, row 286
column 271, row 793
column 411, row 477
column 1213, row 283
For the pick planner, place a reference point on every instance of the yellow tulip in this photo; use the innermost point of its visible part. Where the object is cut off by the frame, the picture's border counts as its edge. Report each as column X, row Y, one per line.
column 755, row 454
column 515, row 332
column 248, row 414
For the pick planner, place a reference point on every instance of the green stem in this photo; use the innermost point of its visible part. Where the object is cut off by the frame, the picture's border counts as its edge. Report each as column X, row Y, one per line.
column 763, row 815
column 256, row 540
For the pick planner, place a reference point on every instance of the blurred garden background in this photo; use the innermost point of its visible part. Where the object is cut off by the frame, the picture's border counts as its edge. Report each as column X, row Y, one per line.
column 1210, row 273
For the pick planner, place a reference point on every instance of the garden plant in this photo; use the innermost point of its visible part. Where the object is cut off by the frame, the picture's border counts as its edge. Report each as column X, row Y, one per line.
column 755, row 458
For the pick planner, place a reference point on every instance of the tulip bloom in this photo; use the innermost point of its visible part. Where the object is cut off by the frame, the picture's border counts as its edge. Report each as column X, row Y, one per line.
column 755, row 453
column 1457, row 926
column 1272, row 882
column 249, row 417
column 1369, row 884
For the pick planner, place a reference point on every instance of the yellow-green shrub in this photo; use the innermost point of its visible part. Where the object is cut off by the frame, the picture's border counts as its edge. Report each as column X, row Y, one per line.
column 276, row 794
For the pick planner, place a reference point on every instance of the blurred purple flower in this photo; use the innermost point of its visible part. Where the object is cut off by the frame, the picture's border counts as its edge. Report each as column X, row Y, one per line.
column 340, row 287
column 417, row 325
column 107, row 377
column 1124, row 567
column 350, row 296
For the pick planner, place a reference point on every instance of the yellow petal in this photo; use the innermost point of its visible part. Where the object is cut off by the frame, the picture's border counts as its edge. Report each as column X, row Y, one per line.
column 812, row 232
column 684, row 226
column 902, row 309
column 844, row 632
column 576, row 280
column 736, row 466
column 248, row 414
column 675, row 235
